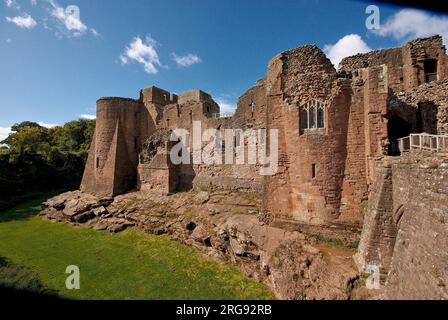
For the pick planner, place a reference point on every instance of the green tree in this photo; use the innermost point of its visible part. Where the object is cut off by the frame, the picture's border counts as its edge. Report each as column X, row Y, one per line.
column 88, row 135
column 37, row 159
column 29, row 140
column 74, row 136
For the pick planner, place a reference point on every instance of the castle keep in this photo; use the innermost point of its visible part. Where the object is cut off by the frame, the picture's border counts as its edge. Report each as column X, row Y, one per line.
column 332, row 125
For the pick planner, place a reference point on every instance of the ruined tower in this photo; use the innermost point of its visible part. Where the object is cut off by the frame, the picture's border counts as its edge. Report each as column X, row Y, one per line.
column 332, row 125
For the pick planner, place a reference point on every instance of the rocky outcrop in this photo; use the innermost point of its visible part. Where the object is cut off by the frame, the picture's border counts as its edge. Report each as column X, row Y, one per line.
column 226, row 226
column 78, row 208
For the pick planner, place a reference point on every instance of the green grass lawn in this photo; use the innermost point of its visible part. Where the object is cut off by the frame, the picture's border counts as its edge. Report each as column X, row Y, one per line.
column 129, row 265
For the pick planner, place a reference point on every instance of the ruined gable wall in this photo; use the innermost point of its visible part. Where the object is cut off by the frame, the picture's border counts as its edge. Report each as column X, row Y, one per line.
column 301, row 75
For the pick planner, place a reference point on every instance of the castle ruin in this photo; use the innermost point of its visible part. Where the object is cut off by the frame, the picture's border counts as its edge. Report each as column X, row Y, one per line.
column 362, row 158
column 332, row 125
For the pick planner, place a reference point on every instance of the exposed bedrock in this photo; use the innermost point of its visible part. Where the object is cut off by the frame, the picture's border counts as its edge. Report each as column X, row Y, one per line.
column 225, row 226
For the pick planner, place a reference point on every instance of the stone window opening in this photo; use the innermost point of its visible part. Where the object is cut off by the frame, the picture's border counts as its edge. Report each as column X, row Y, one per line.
column 312, row 115
column 397, row 128
column 430, row 67
column 191, row 117
column 167, row 123
column 97, row 162
column 313, row 170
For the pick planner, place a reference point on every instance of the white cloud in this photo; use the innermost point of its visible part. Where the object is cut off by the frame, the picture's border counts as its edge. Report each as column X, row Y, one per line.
column 87, row 116
column 187, row 60
column 33, row 2
column 95, row 33
column 12, row 4
column 225, row 105
column 23, row 21
column 143, row 52
column 69, row 19
column 347, row 46
column 412, row 23
column 4, row 132
column 9, row 40
column 47, row 125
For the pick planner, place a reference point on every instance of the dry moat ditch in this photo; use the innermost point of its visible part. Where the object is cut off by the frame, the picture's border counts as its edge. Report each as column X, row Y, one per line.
column 228, row 226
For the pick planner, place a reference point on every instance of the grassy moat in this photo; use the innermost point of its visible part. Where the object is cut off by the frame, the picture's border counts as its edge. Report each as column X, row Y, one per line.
column 129, row 265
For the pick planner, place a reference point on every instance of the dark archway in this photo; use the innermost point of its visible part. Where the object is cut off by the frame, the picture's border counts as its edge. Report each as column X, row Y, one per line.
column 397, row 128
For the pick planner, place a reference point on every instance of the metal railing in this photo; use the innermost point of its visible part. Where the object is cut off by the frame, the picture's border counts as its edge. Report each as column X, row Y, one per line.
column 423, row 141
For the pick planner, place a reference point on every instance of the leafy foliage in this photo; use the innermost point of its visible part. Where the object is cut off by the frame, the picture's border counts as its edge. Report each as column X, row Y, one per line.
column 35, row 158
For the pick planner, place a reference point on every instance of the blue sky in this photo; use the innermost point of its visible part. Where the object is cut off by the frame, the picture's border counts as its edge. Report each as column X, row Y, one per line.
column 54, row 65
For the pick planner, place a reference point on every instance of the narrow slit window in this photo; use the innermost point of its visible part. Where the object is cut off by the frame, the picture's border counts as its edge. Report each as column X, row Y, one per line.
column 313, row 170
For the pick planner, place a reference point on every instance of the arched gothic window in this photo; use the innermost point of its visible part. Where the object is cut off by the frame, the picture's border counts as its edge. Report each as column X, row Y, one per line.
column 312, row 115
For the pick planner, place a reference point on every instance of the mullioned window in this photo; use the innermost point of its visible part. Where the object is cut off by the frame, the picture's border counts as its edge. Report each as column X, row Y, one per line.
column 312, row 115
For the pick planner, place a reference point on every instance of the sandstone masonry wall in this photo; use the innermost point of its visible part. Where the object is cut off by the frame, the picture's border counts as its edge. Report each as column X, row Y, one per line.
column 405, row 229
column 419, row 265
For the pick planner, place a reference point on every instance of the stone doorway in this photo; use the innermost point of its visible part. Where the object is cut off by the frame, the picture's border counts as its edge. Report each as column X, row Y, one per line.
column 397, row 128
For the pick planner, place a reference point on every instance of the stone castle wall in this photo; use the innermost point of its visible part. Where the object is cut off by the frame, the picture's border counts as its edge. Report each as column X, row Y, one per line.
column 296, row 77
column 405, row 226
column 325, row 173
column 113, row 158
column 419, row 268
